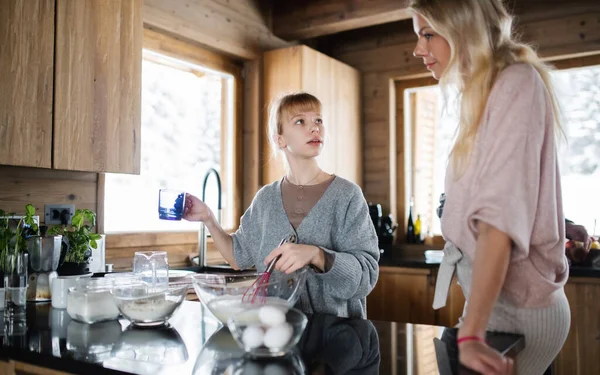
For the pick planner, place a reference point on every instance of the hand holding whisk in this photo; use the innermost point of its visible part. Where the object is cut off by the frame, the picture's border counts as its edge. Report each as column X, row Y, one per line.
column 259, row 287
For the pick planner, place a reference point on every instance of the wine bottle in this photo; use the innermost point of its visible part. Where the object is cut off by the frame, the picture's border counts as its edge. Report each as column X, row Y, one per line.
column 410, row 228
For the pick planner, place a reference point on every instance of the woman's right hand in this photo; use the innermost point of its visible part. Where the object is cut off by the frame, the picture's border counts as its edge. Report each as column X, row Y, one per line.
column 480, row 357
column 196, row 210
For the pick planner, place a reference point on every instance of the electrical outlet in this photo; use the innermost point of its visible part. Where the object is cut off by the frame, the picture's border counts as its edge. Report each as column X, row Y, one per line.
column 53, row 212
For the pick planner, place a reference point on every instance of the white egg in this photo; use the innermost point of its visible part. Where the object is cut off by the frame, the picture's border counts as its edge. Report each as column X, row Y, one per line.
column 277, row 337
column 271, row 315
column 253, row 336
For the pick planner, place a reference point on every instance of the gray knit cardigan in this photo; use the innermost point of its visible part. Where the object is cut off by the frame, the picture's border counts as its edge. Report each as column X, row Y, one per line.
column 339, row 223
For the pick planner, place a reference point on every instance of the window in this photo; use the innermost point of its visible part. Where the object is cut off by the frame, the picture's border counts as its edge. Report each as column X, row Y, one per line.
column 187, row 128
column 429, row 139
column 578, row 92
column 430, row 135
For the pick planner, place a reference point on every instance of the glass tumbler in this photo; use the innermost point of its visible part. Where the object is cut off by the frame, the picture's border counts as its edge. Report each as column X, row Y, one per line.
column 153, row 269
column 15, row 283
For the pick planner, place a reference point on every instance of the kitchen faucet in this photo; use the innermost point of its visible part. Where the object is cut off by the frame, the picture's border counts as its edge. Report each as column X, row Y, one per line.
column 202, row 235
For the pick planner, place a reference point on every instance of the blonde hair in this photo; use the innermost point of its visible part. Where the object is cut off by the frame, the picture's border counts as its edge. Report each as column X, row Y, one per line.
column 283, row 109
column 482, row 44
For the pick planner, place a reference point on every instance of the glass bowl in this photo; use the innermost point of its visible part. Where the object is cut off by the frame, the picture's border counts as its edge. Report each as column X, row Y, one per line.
column 143, row 307
column 267, row 331
column 222, row 294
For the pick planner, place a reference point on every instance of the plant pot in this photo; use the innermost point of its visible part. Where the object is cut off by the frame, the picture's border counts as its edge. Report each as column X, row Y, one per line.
column 70, row 269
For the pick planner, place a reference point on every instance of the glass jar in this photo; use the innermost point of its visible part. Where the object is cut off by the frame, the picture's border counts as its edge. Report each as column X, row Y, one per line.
column 90, row 301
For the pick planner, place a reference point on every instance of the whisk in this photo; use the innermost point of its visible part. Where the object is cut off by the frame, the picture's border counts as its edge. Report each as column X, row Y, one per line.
column 258, row 287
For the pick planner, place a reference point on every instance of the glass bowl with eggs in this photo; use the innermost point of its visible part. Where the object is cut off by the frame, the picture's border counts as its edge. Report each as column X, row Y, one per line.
column 267, row 331
column 223, row 294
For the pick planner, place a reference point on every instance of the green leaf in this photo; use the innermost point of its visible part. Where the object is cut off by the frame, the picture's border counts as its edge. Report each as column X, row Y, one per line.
column 95, row 236
column 30, row 210
column 77, row 220
column 93, row 244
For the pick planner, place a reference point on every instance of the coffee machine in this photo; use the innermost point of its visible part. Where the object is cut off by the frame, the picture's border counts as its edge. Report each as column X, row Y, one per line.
column 44, row 255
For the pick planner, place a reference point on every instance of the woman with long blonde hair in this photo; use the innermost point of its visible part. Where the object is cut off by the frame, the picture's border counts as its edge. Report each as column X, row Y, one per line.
column 503, row 218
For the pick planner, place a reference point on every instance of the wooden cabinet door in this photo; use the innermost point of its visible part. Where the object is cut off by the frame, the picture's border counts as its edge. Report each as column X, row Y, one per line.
column 448, row 315
column 402, row 295
column 281, row 74
column 97, row 103
column 26, row 81
column 580, row 354
column 337, row 86
column 348, row 136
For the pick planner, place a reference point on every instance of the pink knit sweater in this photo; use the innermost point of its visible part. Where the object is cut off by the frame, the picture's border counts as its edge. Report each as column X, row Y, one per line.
column 512, row 182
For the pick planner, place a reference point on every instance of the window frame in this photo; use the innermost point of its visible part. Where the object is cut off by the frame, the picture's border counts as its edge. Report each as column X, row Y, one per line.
column 172, row 47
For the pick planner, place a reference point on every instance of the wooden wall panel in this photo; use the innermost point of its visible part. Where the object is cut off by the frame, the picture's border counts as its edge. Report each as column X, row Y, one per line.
column 26, row 82
column 172, row 47
column 19, row 186
column 253, row 133
column 180, row 246
column 315, row 18
column 239, row 28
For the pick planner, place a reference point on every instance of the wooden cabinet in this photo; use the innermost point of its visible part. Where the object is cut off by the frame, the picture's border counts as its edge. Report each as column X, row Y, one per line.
column 406, row 295
column 448, row 315
column 70, row 84
column 97, row 103
column 581, row 352
column 402, row 295
column 337, row 85
column 26, row 82
column 6, row 368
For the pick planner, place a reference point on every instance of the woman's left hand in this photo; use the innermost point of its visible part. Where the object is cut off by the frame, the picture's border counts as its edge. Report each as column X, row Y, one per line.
column 480, row 357
column 293, row 256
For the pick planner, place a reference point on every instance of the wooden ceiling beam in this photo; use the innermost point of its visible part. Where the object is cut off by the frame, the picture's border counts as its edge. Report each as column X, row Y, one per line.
column 303, row 19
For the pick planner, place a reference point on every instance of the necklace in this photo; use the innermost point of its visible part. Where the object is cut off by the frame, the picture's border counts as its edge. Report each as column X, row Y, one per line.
column 303, row 185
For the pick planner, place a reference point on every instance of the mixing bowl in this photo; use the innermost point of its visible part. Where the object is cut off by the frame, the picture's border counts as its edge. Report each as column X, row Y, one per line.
column 267, row 331
column 222, row 294
column 144, row 308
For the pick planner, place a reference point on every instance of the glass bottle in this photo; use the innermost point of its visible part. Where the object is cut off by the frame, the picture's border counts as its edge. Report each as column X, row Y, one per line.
column 410, row 228
column 418, row 229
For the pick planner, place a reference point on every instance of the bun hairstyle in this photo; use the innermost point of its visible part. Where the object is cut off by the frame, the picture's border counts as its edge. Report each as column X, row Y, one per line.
column 283, row 109
column 482, row 44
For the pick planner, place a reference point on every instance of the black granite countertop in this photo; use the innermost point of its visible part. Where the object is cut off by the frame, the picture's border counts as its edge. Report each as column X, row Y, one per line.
column 195, row 343
column 397, row 257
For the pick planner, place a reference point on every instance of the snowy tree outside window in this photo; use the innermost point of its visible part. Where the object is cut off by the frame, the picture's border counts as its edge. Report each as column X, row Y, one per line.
column 180, row 141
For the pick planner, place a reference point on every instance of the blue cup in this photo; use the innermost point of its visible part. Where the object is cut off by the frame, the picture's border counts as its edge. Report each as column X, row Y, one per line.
column 171, row 204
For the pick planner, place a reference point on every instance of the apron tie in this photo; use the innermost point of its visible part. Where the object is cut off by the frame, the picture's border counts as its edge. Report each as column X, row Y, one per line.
column 452, row 255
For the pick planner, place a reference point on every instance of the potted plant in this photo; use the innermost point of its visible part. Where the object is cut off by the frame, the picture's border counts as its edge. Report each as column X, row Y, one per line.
column 80, row 238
